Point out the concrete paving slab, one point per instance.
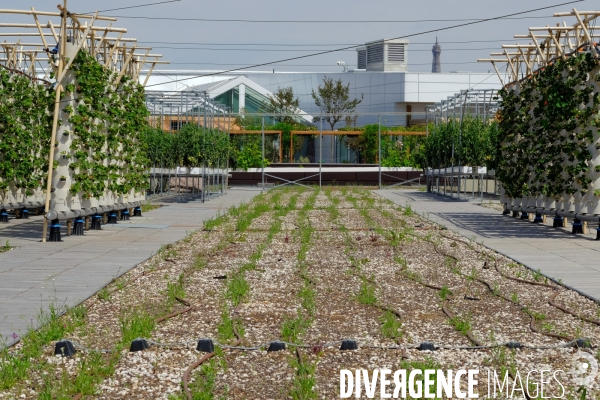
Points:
(36, 274)
(554, 251)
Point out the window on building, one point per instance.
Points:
(177, 125)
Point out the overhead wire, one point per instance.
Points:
(267, 21)
(315, 44)
(277, 50)
(399, 37)
(126, 8)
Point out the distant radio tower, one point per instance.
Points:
(436, 65)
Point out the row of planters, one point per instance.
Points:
(470, 142)
(549, 153)
(99, 155)
(193, 146)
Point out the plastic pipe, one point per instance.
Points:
(570, 215)
(65, 215)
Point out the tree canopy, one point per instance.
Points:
(333, 98)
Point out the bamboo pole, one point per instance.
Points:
(52, 14)
(58, 89)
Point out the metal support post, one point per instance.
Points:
(262, 161)
(320, 150)
(379, 146)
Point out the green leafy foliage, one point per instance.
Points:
(109, 121)
(544, 130)
(25, 126)
(472, 142)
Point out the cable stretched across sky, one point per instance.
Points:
(316, 44)
(399, 37)
(289, 21)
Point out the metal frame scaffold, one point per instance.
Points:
(480, 103)
(169, 111)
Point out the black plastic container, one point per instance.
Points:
(139, 345)
(96, 224)
(206, 346)
(426, 346)
(137, 212)
(276, 346)
(112, 218)
(349, 344)
(558, 222)
(78, 227)
(577, 227)
(125, 215)
(64, 348)
(54, 235)
(3, 216)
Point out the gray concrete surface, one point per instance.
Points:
(554, 251)
(36, 274)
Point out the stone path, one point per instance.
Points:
(575, 260)
(37, 274)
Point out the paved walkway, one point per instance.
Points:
(555, 252)
(36, 274)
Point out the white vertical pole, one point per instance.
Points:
(262, 161)
(320, 150)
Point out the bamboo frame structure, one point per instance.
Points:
(80, 31)
(546, 45)
(113, 52)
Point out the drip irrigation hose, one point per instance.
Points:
(532, 323)
(536, 330)
(450, 315)
(196, 364)
(174, 314)
(553, 287)
(552, 303)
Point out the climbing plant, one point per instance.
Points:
(25, 125)
(548, 130)
(109, 121)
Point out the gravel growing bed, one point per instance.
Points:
(374, 272)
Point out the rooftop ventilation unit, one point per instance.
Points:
(384, 55)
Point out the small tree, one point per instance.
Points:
(283, 102)
(333, 98)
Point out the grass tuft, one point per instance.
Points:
(391, 327)
(366, 294)
(135, 324)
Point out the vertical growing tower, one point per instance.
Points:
(436, 65)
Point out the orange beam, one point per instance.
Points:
(356, 133)
(245, 132)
